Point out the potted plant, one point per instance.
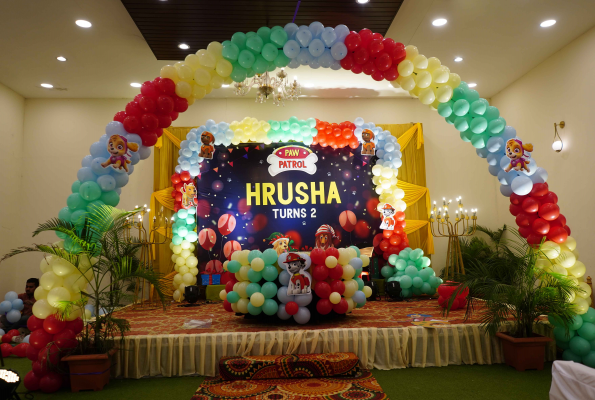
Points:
(108, 262)
(508, 291)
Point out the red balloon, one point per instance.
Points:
(398, 53)
(292, 308)
(322, 290)
(148, 104)
(530, 205)
(227, 306)
(149, 138)
(149, 122)
(133, 109)
(347, 220)
(534, 238)
(174, 115)
(550, 197)
(324, 306)
(53, 325)
(66, 340)
(165, 104)
(516, 199)
(539, 189)
(361, 56)
(20, 350)
(39, 369)
(387, 233)
(50, 383)
(6, 338)
(369, 68)
(378, 76)
(175, 179)
(549, 211)
(525, 231)
(131, 124)
(540, 226)
(167, 87)
(353, 41)
(336, 273)
(164, 120)
(400, 216)
(31, 381)
(149, 89)
(120, 115)
(40, 338)
(376, 47)
(395, 240)
(337, 286)
(185, 176)
(557, 234)
(180, 104)
(34, 323)
(391, 74)
(49, 354)
(347, 62)
(32, 353)
(568, 231)
(384, 245)
(331, 251)
(6, 349)
(523, 219)
(366, 36)
(356, 69)
(207, 238)
(320, 272)
(383, 62)
(75, 325)
(318, 256)
(515, 210)
(226, 224)
(341, 307)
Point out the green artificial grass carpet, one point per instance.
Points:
(462, 382)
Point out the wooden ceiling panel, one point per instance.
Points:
(166, 24)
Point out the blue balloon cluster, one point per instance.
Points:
(98, 185)
(189, 159)
(482, 126)
(388, 150)
(11, 307)
(293, 129)
(302, 300)
(315, 45)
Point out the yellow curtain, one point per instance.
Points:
(412, 179)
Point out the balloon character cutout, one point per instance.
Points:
(324, 237)
(388, 219)
(300, 281)
(518, 154)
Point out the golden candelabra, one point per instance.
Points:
(146, 239)
(442, 225)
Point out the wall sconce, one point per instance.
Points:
(558, 145)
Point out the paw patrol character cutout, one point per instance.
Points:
(368, 148)
(324, 237)
(207, 149)
(388, 219)
(281, 243)
(189, 195)
(518, 154)
(300, 280)
(119, 150)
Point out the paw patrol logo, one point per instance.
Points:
(292, 158)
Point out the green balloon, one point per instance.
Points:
(177, 240)
(568, 355)
(270, 307)
(250, 34)
(461, 107)
(417, 282)
(405, 292)
(230, 51)
(269, 290)
(427, 289)
(64, 214)
(250, 73)
(587, 331)
(451, 119)
(406, 282)
(392, 259)
(411, 271)
(386, 271)
(264, 33)
(445, 109)
(234, 266)
(281, 61)
(254, 276)
(458, 93)
(416, 291)
(78, 217)
(246, 59)
(254, 254)
(434, 281)
(254, 43)
(480, 141)
(576, 322)
(90, 191)
(254, 310)
(360, 305)
(271, 67)
(589, 359)
(400, 273)
(278, 37)
(76, 202)
(270, 273)
(555, 320)
(478, 107)
(71, 247)
(239, 39)
(269, 256)
(425, 274)
(471, 95)
(478, 124)
(497, 125)
(233, 297)
(562, 345)
(360, 283)
(401, 264)
(589, 316)
(467, 135)
(491, 113)
(462, 123)
(92, 206)
(111, 198)
(260, 65)
(252, 288)
(238, 74)
(75, 186)
(270, 52)
(579, 346)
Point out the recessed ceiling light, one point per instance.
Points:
(135, 84)
(548, 23)
(458, 59)
(83, 24)
(362, 1)
(224, 85)
(60, 58)
(472, 84)
(183, 46)
(439, 22)
(47, 85)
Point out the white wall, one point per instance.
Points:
(560, 88)
(12, 109)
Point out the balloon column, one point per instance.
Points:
(413, 272)
(577, 342)
(182, 247)
(11, 307)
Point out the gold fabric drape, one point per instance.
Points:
(412, 179)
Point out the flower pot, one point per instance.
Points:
(524, 353)
(89, 372)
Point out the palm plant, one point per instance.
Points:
(109, 269)
(506, 286)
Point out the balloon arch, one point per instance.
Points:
(132, 133)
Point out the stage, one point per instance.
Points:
(384, 335)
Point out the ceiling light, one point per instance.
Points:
(60, 58)
(47, 85)
(458, 59)
(224, 85)
(439, 22)
(472, 84)
(135, 84)
(362, 1)
(83, 24)
(183, 46)
(548, 23)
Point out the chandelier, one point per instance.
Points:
(278, 88)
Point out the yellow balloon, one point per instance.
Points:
(191, 99)
(257, 264)
(566, 259)
(62, 267)
(330, 262)
(558, 269)
(441, 74)
(56, 295)
(348, 272)
(350, 304)
(192, 61)
(50, 280)
(185, 253)
(343, 256)
(183, 270)
(420, 62)
(550, 249)
(578, 269)
(242, 289)
(570, 243)
(177, 249)
(350, 288)
(183, 89)
(215, 48)
(187, 278)
(335, 298)
(206, 59)
(257, 299)
(408, 83)
(198, 91)
(367, 291)
(243, 305)
(580, 305)
(44, 265)
(186, 73)
(427, 96)
(223, 294)
(444, 93)
(423, 79)
(586, 293)
(169, 71)
(365, 260)
(177, 295)
(42, 310)
(202, 77)
(454, 80)
(216, 82)
(244, 257)
(40, 293)
(433, 63)
(244, 272)
(405, 68)
(411, 52)
(224, 68)
(177, 278)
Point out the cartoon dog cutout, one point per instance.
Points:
(207, 149)
(324, 237)
(518, 154)
(368, 148)
(189, 198)
(281, 243)
(299, 282)
(388, 220)
(119, 150)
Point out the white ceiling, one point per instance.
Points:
(500, 40)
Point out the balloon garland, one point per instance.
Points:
(136, 129)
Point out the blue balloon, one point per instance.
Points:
(291, 49)
(282, 295)
(26, 339)
(86, 162)
(326, 59)
(495, 144)
(115, 128)
(494, 158)
(281, 313)
(134, 158)
(316, 28)
(316, 47)
(86, 174)
(328, 36)
(17, 304)
(284, 278)
(11, 296)
(99, 169)
(339, 51)
(121, 179)
(540, 176)
(107, 183)
(494, 169)
(303, 37)
(5, 306)
(144, 152)
(13, 316)
(303, 299)
(304, 58)
(359, 297)
(99, 149)
(356, 263)
(522, 185)
(302, 316)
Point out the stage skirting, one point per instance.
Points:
(377, 347)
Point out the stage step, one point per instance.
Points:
(289, 366)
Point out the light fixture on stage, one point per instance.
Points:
(374, 288)
(278, 88)
(393, 290)
(9, 382)
(558, 145)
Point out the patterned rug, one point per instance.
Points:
(380, 314)
(361, 387)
